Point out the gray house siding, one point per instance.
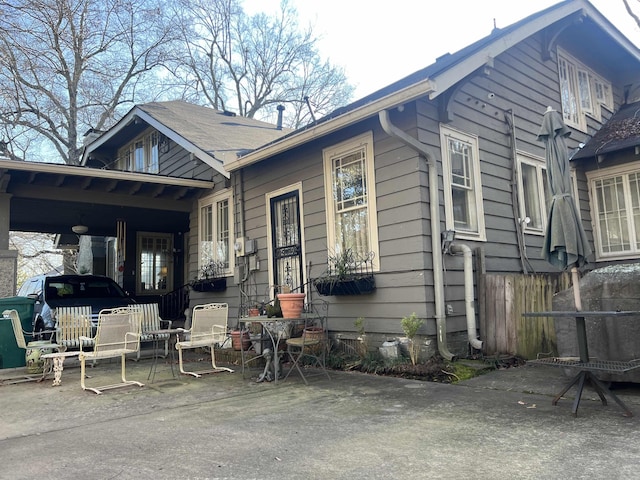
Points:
(176, 162)
(509, 95)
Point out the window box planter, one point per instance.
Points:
(210, 285)
(361, 285)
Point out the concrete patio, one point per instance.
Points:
(498, 425)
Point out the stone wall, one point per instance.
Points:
(8, 272)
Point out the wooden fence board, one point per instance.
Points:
(504, 300)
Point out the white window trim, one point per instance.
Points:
(213, 199)
(445, 133)
(341, 149)
(268, 196)
(541, 170)
(595, 104)
(601, 174)
(127, 154)
(170, 264)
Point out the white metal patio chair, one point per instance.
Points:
(22, 343)
(118, 335)
(208, 328)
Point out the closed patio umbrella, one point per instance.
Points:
(565, 243)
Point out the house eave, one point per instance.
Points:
(439, 82)
(217, 165)
(72, 170)
(417, 90)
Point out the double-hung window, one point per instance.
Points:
(582, 91)
(350, 192)
(615, 203)
(462, 186)
(215, 235)
(533, 193)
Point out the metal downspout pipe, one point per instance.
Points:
(436, 247)
(468, 293)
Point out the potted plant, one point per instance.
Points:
(211, 278)
(347, 274)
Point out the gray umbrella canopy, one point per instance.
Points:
(565, 243)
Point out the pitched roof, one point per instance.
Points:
(214, 136)
(436, 79)
(620, 132)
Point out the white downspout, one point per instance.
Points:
(468, 292)
(436, 252)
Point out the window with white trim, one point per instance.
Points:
(462, 187)
(615, 203)
(350, 193)
(215, 235)
(141, 155)
(582, 91)
(155, 263)
(533, 193)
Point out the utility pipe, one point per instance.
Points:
(434, 204)
(468, 292)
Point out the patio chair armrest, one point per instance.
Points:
(165, 323)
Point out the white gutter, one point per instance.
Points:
(434, 204)
(468, 292)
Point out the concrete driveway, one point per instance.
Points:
(354, 426)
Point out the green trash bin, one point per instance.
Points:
(11, 356)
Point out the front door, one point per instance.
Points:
(286, 241)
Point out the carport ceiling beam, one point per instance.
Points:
(116, 199)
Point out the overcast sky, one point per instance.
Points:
(379, 42)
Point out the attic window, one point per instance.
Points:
(582, 91)
(140, 155)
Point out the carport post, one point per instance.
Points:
(8, 258)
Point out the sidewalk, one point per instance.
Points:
(498, 425)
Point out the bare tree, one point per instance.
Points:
(631, 12)
(68, 65)
(251, 64)
(36, 254)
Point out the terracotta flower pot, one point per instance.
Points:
(291, 304)
(240, 340)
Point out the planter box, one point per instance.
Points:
(350, 286)
(210, 285)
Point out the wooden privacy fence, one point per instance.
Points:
(502, 301)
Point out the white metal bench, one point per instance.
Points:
(118, 335)
(73, 323)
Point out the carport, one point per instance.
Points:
(52, 198)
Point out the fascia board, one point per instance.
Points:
(59, 169)
(449, 77)
(417, 90)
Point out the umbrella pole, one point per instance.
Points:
(575, 279)
(581, 328)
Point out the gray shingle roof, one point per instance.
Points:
(220, 134)
(620, 132)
